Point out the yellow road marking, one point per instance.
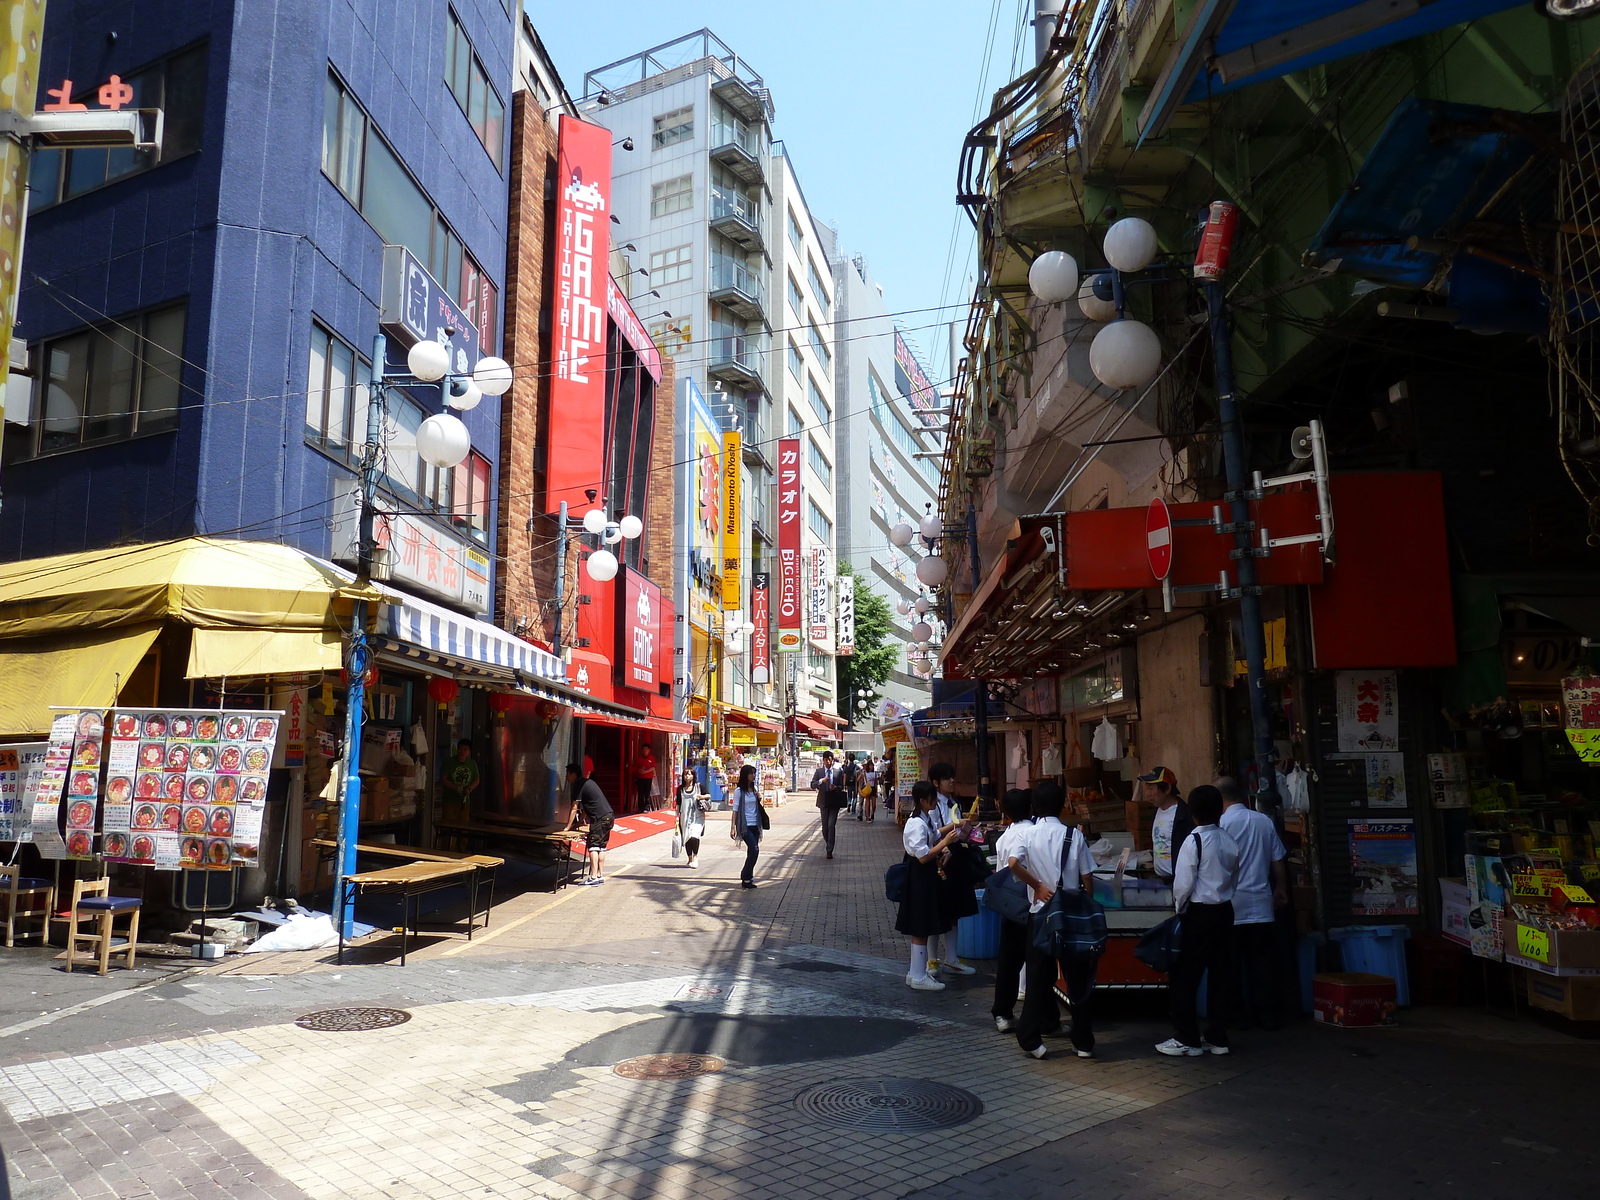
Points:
(568, 893)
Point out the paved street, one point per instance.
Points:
(198, 1084)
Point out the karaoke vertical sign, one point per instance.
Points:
(790, 611)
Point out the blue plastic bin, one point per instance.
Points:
(1378, 950)
(979, 936)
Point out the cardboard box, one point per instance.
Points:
(1575, 999)
(1455, 909)
(1562, 949)
(1353, 999)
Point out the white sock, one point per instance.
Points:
(936, 947)
(919, 961)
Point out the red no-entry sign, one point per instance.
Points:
(1158, 537)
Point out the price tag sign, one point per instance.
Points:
(1587, 744)
(1530, 886)
(1573, 894)
(1591, 874)
(1533, 943)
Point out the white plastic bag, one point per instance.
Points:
(677, 845)
(302, 931)
(1294, 789)
(1104, 747)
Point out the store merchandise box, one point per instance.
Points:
(1353, 999)
(1575, 999)
(1559, 949)
(1455, 909)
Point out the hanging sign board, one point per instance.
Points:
(732, 503)
(790, 616)
(761, 627)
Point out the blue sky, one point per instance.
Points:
(873, 98)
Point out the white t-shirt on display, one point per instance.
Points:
(1259, 847)
(1161, 840)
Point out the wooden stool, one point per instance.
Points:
(91, 897)
(16, 887)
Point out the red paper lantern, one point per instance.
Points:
(502, 702)
(442, 691)
(549, 709)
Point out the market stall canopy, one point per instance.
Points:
(1231, 44)
(85, 669)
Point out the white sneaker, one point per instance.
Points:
(694, 866)
(1176, 1049)
(1084, 1053)
(956, 967)
(926, 984)
(1038, 1051)
(1210, 1049)
(1004, 1024)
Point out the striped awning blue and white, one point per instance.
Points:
(432, 628)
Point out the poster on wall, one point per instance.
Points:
(1386, 781)
(45, 804)
(907, 770)
(1447, 781)
(761, 627)
(790, 616)
(1580, 702)
(1383, 860)
(1368, 711)
(19, 777)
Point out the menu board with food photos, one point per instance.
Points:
(195, 779)
(52, 781)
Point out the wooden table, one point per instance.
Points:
(485, 864)
(564, 838)
(408, 882)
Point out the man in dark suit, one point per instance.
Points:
(829, 784)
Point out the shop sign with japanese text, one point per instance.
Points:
(1367, 706)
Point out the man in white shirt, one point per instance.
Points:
(1053, 856)
(1017, 809)
(1205, 872)
(1172, 822)
(1263, 887)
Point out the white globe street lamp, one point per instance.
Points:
(631, 526)
(428, 361)
(1130, 244)
(1053, 277)
(921, 632)
(923, 604)
(469, 396)
(1125, 354)
(930, 526)
(493, 376)
(594, 521)
(931, 571)
(902, 534)
(602, 566)
(1091, 305)
(903, 608)
(442, 440)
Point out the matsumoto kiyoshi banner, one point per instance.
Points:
(790, 614)
(847, 616)
(576, 457)
(732, 517)
(760, 628)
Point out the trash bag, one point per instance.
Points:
(302, 931)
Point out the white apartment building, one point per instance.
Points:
(883, 391)
(712, 224)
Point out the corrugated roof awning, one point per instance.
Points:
(83, 668)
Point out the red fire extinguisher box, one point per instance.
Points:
(1353, 999)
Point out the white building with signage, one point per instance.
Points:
(886, 441)
(712, 225)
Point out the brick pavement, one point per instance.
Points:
(501, 1086)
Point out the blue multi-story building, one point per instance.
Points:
(200, 319)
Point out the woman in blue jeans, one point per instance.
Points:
(749, 819)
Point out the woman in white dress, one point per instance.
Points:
(691, 817)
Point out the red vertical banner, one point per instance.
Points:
(574, 453)
(789, 563)
(761, 627)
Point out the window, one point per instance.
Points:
(110, 383)
(797, 300)
(819, 463)
(469, 511)
(818, 289)
(795, 236)
(819, 403)
(361, 164)
(673, 127)
(910, 445)
(469, 83)
(817, 521)
(797, 362)
(672, 337)
(817, 661)
(336, 387)
(820, 346)
(796, 423)
(671, 266)
(671, 195)
(177, 85)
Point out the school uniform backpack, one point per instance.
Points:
(1072, 925)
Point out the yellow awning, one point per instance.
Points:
(205, 582)
(237, 653)
(83, 668)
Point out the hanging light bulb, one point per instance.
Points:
(612, 535)
(1130, 244)
(923, 646)
(602, 566)
(469, 396)
(442, 440)
(493, 376)
(903, 608)
(930, 526)
(1125, 354)
(1090, 302)
(921, 631)
(631, 526)
(923, 604)
(594, 521)
(1053, 277)
(931, 571)
(428, 361)
(902, 534)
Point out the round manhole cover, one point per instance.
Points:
(904, 1105)
(668, 1066)
(353, 1020)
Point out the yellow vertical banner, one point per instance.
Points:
(732, 522)
(19, 84)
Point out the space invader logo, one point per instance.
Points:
(585, 195)
(643, 608)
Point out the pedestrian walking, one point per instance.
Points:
(962, 875)
(644, 779)
(1262, 889)
(1054, 857)
(852, 771)
(828, 783)
(1172, 820)
(1016, 811)
(1203, 880)
(590, 803)
(691, 817)
(869, 791)
(749, 819)
(922, 913)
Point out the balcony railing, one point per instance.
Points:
(736, 216)
(738, 356)
(737, 287)
(740, 148)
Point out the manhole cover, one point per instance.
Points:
(352, 1020)
(906, 1105)
(668, 1066)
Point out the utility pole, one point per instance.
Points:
(980, 687)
